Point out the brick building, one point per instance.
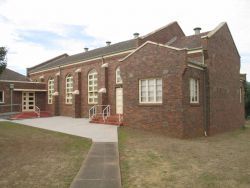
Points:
(184, 86)
(18, 93)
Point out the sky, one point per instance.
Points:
(37, 30)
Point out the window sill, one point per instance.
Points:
(195, 104)
(149, 104)
(118, 85)
(68, 104)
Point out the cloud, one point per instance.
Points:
(38, 30)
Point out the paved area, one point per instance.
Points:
(75, 126)
(100, 169)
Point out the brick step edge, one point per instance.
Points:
(106, 123)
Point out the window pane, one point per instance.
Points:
(143, 99)
(151, 82)
(151, 90)
(1, 96)
(143, 83)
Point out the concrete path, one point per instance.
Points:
(100, 169)
(75, 126)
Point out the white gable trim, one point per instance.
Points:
(154, 43)
(28, 82)
(195, 66)
(211, 33)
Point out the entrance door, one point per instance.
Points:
(119, 101)
(28, 101)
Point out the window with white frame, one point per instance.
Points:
(194, 90)
(69, 89)
(118, 76)
(150, 90)
(92, 87)
(50, 90)
(1, 96)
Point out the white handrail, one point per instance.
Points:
(92, 112)
(106, 112)
(37, 111)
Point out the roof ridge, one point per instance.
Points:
(159, 29)
(50, 60)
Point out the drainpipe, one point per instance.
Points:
(11, 97)
(205, 102)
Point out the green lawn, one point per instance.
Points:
(32, 157)
(156, 161)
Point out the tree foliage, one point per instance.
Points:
(247, 98)
(3, 59)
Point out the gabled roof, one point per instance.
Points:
(8, 74)
(192, 41)
(98, 52)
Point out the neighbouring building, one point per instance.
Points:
(18, 93)
(185, 86)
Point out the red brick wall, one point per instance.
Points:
(153, 61)
(223, 63)
(193, 116)
(17, 95)
(109, 83)
(165, 34)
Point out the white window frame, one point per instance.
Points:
(69, 89)
(118, 77)
(147, 91)
(51, 90)
(194, 90)
(93, 88)
(1, 102)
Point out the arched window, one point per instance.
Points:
(50, 90)
(69, 89)
(118, 76)
(92, 87)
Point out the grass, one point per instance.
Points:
(153, 160)
(32, 157)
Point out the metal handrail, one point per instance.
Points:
(107, 114)
(37, 111)
(104, 113)
(92, 112)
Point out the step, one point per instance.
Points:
(107, 123)
(28, 115)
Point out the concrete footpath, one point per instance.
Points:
(101, 167)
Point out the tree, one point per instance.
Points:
(247, 98)
(3, 59)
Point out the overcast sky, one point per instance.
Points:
(37, 30)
